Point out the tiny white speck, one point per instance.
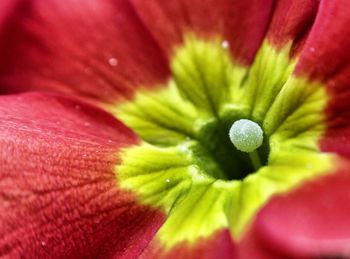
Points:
(43, 243)
(84, 155)
(86, 123)
(225, 44)
(167, 180)
(312, 49)
(113, 62)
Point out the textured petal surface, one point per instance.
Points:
(59, 195)
(96, 48)
(311, 221)
(219, 245)
(242, 24)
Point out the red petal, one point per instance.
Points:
(6, 8)
(96, 48)
(326, 51)
(58, 189)
(219, 245)
(326, 57)
(251, 247)
(312, 221)
(292, 20)
(242, 22)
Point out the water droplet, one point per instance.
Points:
(84, 155)
(167, 180)
(43, 243)
(312, 49)
(113, 62)
(225, 44)
(86, 124)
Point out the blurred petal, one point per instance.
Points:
(99, 49)
(6, 8)
(251, 247)
(291, 21)
(59, 194)
(312, 221)
(326, 54)
(242, 24)
(219, 245)
(325, 57)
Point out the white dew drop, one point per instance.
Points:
(167, 180)
(246, 135)
(113, 62)
(225, 44)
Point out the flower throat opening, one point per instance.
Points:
(231, 151)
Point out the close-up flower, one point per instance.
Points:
(174, 129)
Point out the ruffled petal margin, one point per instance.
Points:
(59, 194)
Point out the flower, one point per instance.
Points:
(130, 157)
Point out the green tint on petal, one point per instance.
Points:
(297, 108)
(159, 176)
(201, 213)
(267, 76)
(161, 117)
(205, 74)
(188, 166)
(283, 174)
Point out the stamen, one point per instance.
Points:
(246, 135)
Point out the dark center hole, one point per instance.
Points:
(217, 156)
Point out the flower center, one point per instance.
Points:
(203, 177)
(231, 156)
(246, 135)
